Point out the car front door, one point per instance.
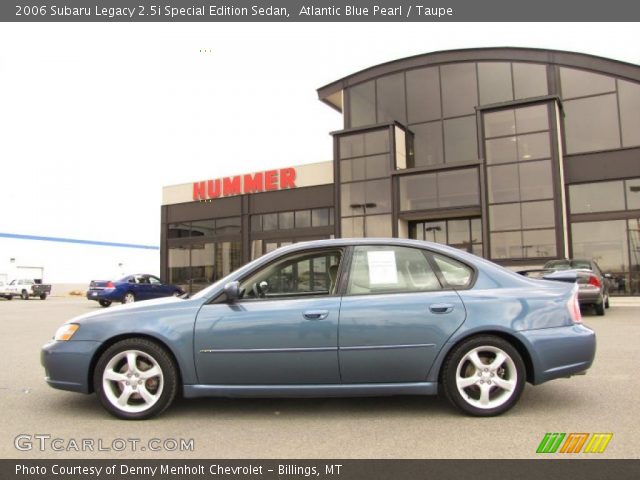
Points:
(283, 331)
(395, 315)
(158, 289)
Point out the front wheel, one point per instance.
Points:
(135, 379)
(24, 295)
(43, 296)
(484, 376)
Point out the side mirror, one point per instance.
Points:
(232, 291)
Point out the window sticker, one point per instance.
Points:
(382, 267)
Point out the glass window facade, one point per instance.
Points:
(453, 188)
(611, 196)
(365, 186)
(520, 182)
(462, 233)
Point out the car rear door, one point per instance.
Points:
(284, 331)
(395, 315)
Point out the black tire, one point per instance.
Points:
(606, 301)
(169, 381)
(599, 307)
(9, 297)
(43, 296)
(515, 373)
(125, 298)
(104, 303)
(24, 295)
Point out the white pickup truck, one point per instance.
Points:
(26, 288)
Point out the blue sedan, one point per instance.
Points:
(130, 289)
(343, 317)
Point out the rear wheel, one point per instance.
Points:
(104, 303)
(129, 297)
(43, 296)
(483, 376)
(135, 379)
(24, 295)
(599, 308)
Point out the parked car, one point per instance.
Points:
(343, 317)
(3, 291)
(26, 288)
(593, 285)
(129, 289)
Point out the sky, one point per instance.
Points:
(96, 118)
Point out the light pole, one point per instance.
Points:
(364, 207)
(435, 229)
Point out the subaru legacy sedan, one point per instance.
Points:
(347, 317)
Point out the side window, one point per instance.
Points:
(154, 280)
(387, 269)
(300, 274)
(455, 273)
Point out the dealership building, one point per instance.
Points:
(516, 155)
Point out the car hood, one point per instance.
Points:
(131, 309)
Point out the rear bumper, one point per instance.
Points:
(98, 295)
(560, 352)
(588, 296)
(67, 364)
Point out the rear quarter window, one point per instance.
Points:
(455, 273)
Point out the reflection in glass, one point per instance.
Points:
(495, 83)
(418, 192)
(538, 214)
(458, 188)
(459, 89)
(538, 243)
(501, 150)
(591, 124)
(460, 140)
(391, 99)
(285, 220)
(503, 183)
(605, 242)
(505, 216)
(499, 123)
(536, 180)
(269, 221)
(362, 104)
(532, 119)
(534, 146)
(597, 197)
(423, 95)
(506, 245)
(427, 144)
(303, 218)
(529, 80)
(629, 98)
(580, 83)
(632, 187)
(203, 228)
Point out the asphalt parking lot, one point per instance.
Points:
(604, 400)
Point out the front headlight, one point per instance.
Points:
(66, 331)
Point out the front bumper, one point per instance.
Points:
(560, 352)
(67, 364)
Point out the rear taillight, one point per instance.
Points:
(595, 281)
(110, 285)
(574, 308)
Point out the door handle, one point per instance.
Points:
(315, 314)
(441, 308)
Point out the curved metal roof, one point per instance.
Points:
(517, 54)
